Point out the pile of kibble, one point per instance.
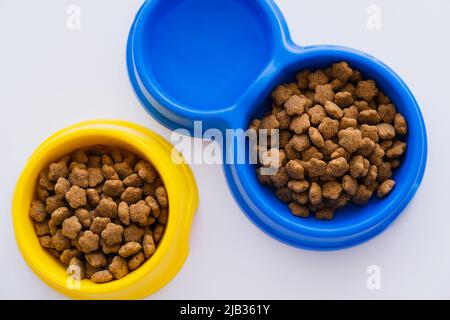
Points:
(340, 138)
(100, 209)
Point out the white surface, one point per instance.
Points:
(51, 77)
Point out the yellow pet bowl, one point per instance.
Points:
(171, 252)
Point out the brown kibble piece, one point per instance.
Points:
(129, 249)
(93, 197)
(317, 78)
(124, 213)
(331, 190)
(71, 227)
(113, 188)
(300, 124)
(37, 211)
(107, 160)
(377, 155)
(302, 79)
(107, 208)
(139, 213)
(133, 233)
(60, 242)
(132, 195)
(46, 241)
(362, 195)
(59, 215)
(295, 169)
(387, 112)
(94, 162)
(161, 196)
(146, 171)
(317, 114)
(102, 276)
(41, 228)
(95, 177)
(118, 267)
(341, 71)
(357, 166)
(369, 117)
(298, 186)
(343, 99)
(296, 105)
(83, 217)
(340, 152)
(366, 90)
(325, 214)
(386, 131)
(299, 210)
(108, 249)
(67, 255)
(400, 124)
(333, 110)
(397, 150)
(54, 202)
(366, 147)
(284, 194)
(89, 242)
(368, 131)
(123, 169)
(300, 142)
(148, 245)
(44, 181)
(79, 156)
(328, 127)
(385, 188)
(316, 137)
(350, 139)
(158, 232)
(315, 167)
(136, 261)
(42, 193)
(154, 205)
(337, 167)
(96, 259)
(281, 94)
(79, 177)
(62, 186)
(315, 194)
(109, 173)
(323, 93)
(90, 270)
(99, 224)
(58, 170)
(349, 184)
(133, 180)
(112, 234)
(76, 197)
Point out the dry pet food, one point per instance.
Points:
(101, 209)
(340, 138)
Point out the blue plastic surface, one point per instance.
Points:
(217, 61)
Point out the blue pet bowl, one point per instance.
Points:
(217, 61)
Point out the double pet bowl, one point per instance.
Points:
(216, 61)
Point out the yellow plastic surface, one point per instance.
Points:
(171, 252)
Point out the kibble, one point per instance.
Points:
(103, 210)
(340, 140)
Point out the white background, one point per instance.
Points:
(51, 77)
